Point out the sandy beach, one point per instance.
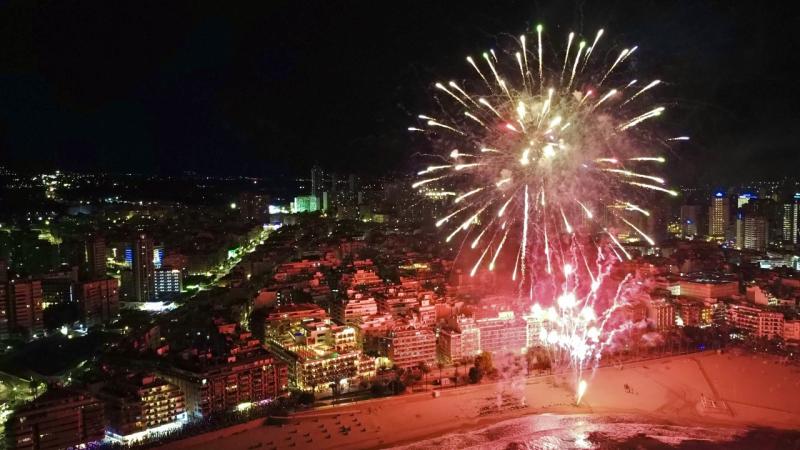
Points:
(747, 390)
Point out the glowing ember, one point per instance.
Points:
(582, 385)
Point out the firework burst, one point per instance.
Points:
(549, 166)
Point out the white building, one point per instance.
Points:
(168, 283)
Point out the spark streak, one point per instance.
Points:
(467, 194)
(580, 146)
(643, 90)
(441, 87)
(642, 233)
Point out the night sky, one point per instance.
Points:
(273, 87)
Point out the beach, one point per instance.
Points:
(716, 391)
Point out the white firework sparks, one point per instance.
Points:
(549, 171)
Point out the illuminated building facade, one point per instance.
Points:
(142, 403)
(96, 257)
(661, 314)
(718, 215)
(707, 288)
(756, 321)
(315, 369)
(426, 312)
(168, 283)
(461, 343)
(755, 233)
(352, 310)
(22, 303)
(690, 312)
(99, 300)
(58, 419)
(296, 311)
(408, 346)
(223, 386)
(143, 269)
(744, 199)
(503, 334)
(690, 215)
(305, 203)
(791, 217)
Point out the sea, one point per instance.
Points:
(556, 432)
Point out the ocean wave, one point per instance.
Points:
(553, 431)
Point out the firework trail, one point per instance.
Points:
(549, 165)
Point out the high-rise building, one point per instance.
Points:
(143, 269)
(58, 419)
(158, 256)
(752, 233)
(99, 300)
(5, 312)
(3, 271)
(96, 257)
(24, 305)
(718, 215)
(168, 283)
(690, 215)
(305, 203)
(334, 186)
(791, 217)
(253, 206)
(744, 199)
(739, 230)
(58, 287)
(128, 256)
(318, 179)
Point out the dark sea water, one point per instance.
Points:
(555, 432)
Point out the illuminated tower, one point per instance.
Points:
(718, 215)
(143, 269)
(96, 257)
(791, 214)
(689, 219)
(755, 231)
(317, 181)
(24, 303)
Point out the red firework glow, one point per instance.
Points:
(549, 168)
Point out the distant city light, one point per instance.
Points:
(244, 406)
(156, 306)
(277, 209)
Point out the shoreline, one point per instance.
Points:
(665, 391)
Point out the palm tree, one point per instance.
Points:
(425, 369)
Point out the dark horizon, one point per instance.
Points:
(266, 90)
